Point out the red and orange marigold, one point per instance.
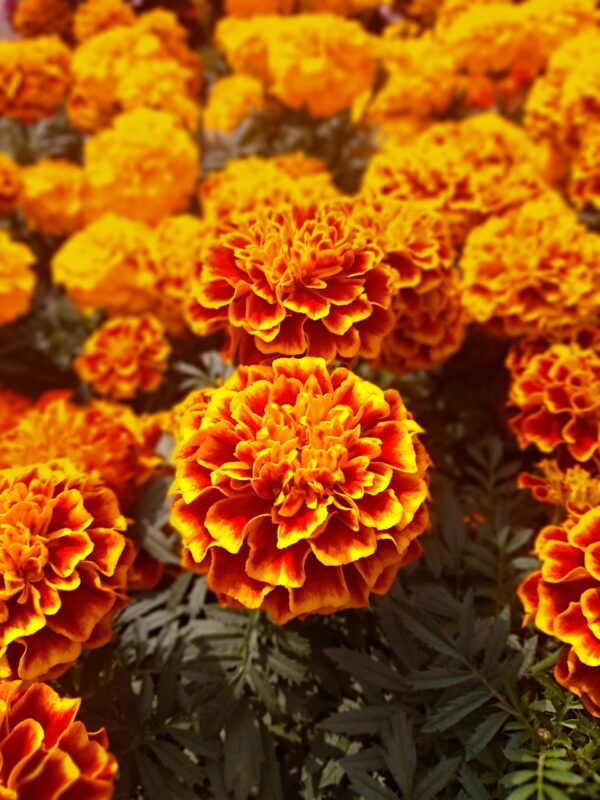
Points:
(299, 491)
(63, 567)
(558, 397)
(574, 488)
(577, 677)
(301, 281)
(45, 752)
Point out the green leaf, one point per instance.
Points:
(484, 733)
(456, 709)
(437, 778)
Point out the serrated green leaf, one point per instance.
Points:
(437, 779)
(484, 733)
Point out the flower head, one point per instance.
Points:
(17, 279)
(10, 184)
(572, 674)
(558, 397)
(299, 491)
(231, 100)
(12, 406)
(42, 18)
(124, 356)
(63, 567)
(95, 16)
(250, 8)
(573, 488)
(46, 752)
(34, 76)
(294, 282)
(55, 197)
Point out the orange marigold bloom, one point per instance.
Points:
(104, 440)
(560, 598)
(42, 18)
(95, 16)
(558, 397)
(574, 488)
(34, 76)
(64, 565)
(534, 271)
(467, 170)
(10, 184)
(299, 491)
(106, 266)
(296, 282)
(17, 279)
(250, 8)
(125, 355)
(55, 197)
(12, 406)
(231, 100)
(584, 186)
(46, 752)
(572, 674)
(144, 167)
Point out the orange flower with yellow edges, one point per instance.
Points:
(63, 568)
(561, 597)
(12, 406)
(10, 184)
(299, 491)
(294, 282)
(95, 16)
(572, 674)
(46, 751)
(42, 18)
(124, 356)
(34, 77)
(558, 397)
(17, 279)
(534, 271)
(573, 488)
(104, 440)
(55, 197)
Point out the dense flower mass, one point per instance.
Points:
(299, 491)
(294, 282)
(46, 752)
(42, 17)
(231, 100)
(63, 562)
(532, 271)
(12, 406)
(17, 279)
(34, 76)
(561, 597)
(55, 197)
(124, 356)
(95, 16)
(10, 184)
(558, 397)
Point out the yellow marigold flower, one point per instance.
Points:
(17, 279)
(584, 186)
(106, 266)
(42, 18)
(246, 184)
(125, 355)
(12, 405)
(573, 488)
(301, 281)
(34, 77)
(104, 440)
(299, 491)
(558, 401)
(144, 167)
(10, 184)
(95, 16)
(231, 100)
(317, 61)
(55, 197)
(533, 271)
(165, 26)
(57, 755)
(63, 561)
(250, 8)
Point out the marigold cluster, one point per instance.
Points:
(42, 18)
(96, 16)
(55, 199)
(125, 355)
(299, 491)
(17, 279)
(46, 751)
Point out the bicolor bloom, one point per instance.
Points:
(572, 674)
(299, 491)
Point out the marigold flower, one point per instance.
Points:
(12, 406)
(10, 184)
(318, 61)
(125, 355)
(250, 8)
(46, 752)
(17, 279)
(144, 167)
(106, 266)
(299, 491)
(572, 674)
(34, 77)
(573, 488)
(345, 7)
(42, 18)
(55, 197)
(584, 186)
(532, 271)
(467, 170)
(560, 597)
(297, 282)
(64, 565)
(558, 397)
(231, 100)
(104, 440)
(247, 184)
(95, 16)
